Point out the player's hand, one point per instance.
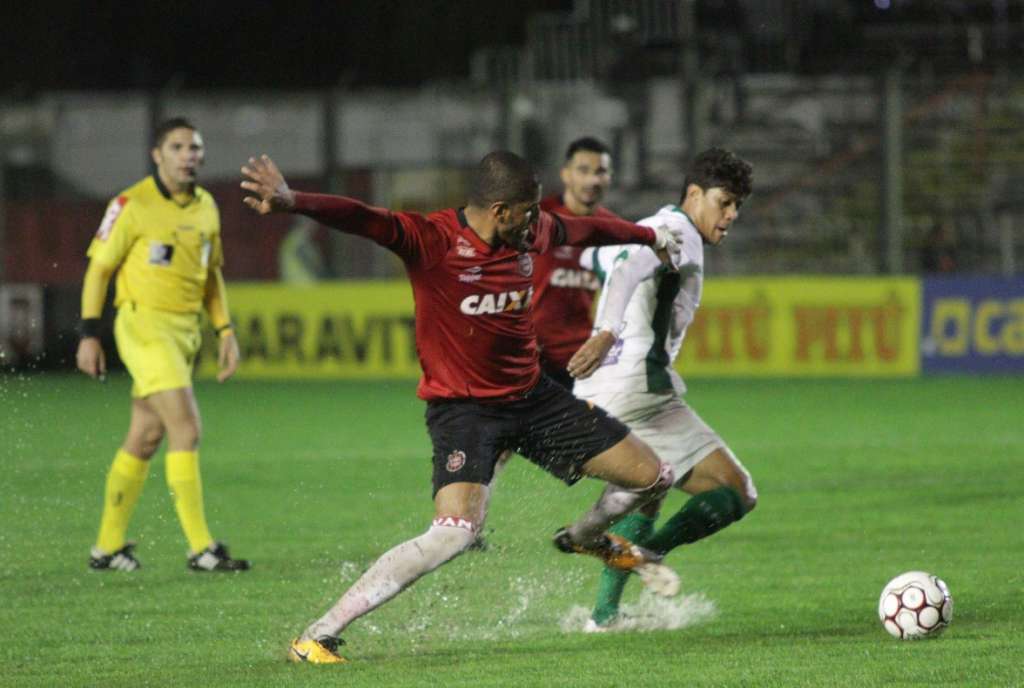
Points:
(270, 191)
(227, 356)
(590, 356)
(668, 244)
(91, 359)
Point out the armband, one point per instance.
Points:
(90, 327)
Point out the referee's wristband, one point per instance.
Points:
(223, 329)
(89, 327)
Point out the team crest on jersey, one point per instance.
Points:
(464, 249)
(525, 264)
(110, 217)
(456, 460)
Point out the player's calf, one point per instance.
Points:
(614, 503)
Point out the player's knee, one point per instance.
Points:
(150, 440)
(743, 497)
(743, 486)
(446, 538)
(748, 495)
(657, 489)
(185, 434)
(144, 440)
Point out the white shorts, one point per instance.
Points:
(672, 429)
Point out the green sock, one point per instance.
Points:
(704, 514)
(635, 527)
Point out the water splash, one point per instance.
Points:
(649, 613)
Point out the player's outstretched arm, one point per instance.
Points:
(270, 192)
(604, 231)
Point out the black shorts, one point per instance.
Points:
(560, 375)
(549, 426)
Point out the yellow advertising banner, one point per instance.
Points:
(758, 326)
(330, 330)
(805, 326)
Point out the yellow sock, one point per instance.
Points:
(187, 491)
(125, 479)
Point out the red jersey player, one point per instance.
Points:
(470, 271)
(563, 292)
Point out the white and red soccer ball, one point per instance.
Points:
(915, 604)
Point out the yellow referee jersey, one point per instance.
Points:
(164, 250)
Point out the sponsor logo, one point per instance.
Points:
(506, 301)
(456, 460)
(464, 249)
(471, 274)
(160, 254)
(110, 217)
(525, 264)
(454, 522)
(575, 279)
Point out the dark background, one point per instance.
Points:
(365, 43)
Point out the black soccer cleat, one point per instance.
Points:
(216, 558)
(121, 560)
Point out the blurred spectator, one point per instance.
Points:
(299, 259)
(938, 253)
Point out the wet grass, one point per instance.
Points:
(859, 481)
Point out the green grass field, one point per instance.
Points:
(859, 481)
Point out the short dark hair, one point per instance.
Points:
(586, 143)
(502, 176)
(169, 125)
(721, 168)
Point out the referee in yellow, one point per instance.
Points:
(162, 238)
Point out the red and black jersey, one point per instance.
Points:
(474, 332)
(563, 294)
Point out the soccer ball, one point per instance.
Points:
(915, 604)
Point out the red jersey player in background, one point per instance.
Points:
(470, 272)
(563, 292)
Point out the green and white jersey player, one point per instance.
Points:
(626, 367)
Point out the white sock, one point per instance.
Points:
(395, 570)
(613, 504)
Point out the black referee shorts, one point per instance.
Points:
(549, 426)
